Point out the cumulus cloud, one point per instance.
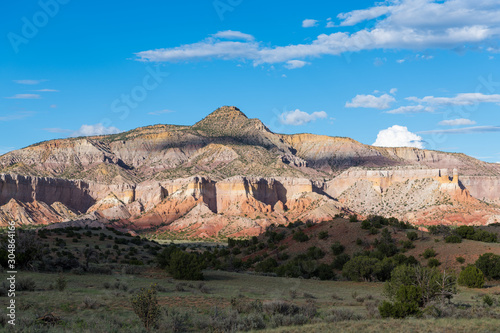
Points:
(230, 34)
(411, 25)
(298, 117)
(309, 23)
(24, 96)
(291, 64)
(393, 91)
(370, 101)
(97, 129)
(457, 122)
(398, 136)
(29, 82)
(411, 109)
(465, 130)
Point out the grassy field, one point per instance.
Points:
(101, 303)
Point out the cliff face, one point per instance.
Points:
(228, 170)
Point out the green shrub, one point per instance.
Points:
(61, 282)
(489, 264)
(266, 266)
(323, 235)
(429, 253)
(340, 261)
(300, 236)
(360, 268)
(488, 300)
(315, 253)
(185, 266)
(412, 235)
(337, 248)
(471, 277)
(453, 239)
(433, 262)
(146, 307)
(353, 218)
(460, 260)
(366, 225)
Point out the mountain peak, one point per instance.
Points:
(227, 113)
(223, 117)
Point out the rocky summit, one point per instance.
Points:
(228, 175)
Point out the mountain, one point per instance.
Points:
(230, 175)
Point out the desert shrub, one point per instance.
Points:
(266, 266)
(429, 253)
(337, 315)
(460, 260)
(353, 218)
(359, 241)
(174, 320)
(90, 303)
(471, 277)
(469, 232)
(337, 248)
(26, 284)
(340, 261)
(412, 287)
(373, 231)
(323, 235)
(453, 239)
(360, 268)
(433, 262)
(315, 253)
(412, 235)
(101, 270)
(407, 244)
(488, 300)
(61, 282)
(146, 307)
(300, 236)
(366, 225)
(324, 272)
(432, 283)
(489, 264)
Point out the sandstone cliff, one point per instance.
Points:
(230, 175)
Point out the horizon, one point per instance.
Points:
(382, 74)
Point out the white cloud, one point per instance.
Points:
(457, 122)
(298, 117)
(411, 109)
(292, 64)
(47, 90)
(400, 61)
(57, 130)
(97, 129)
(356, 16)
(160, 112)
(370, 101)
(466, 130)
(309, 23)
(393, 91)
(460, 99)
(230, 34)
(411, 25)
(29, 82)
(24, 96)
(398, 136)
(17, 116)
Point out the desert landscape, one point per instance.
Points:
(233, 166)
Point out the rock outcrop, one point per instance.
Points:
(230, 175)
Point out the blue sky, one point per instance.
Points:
(395, 73)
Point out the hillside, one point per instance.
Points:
(228, 175)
